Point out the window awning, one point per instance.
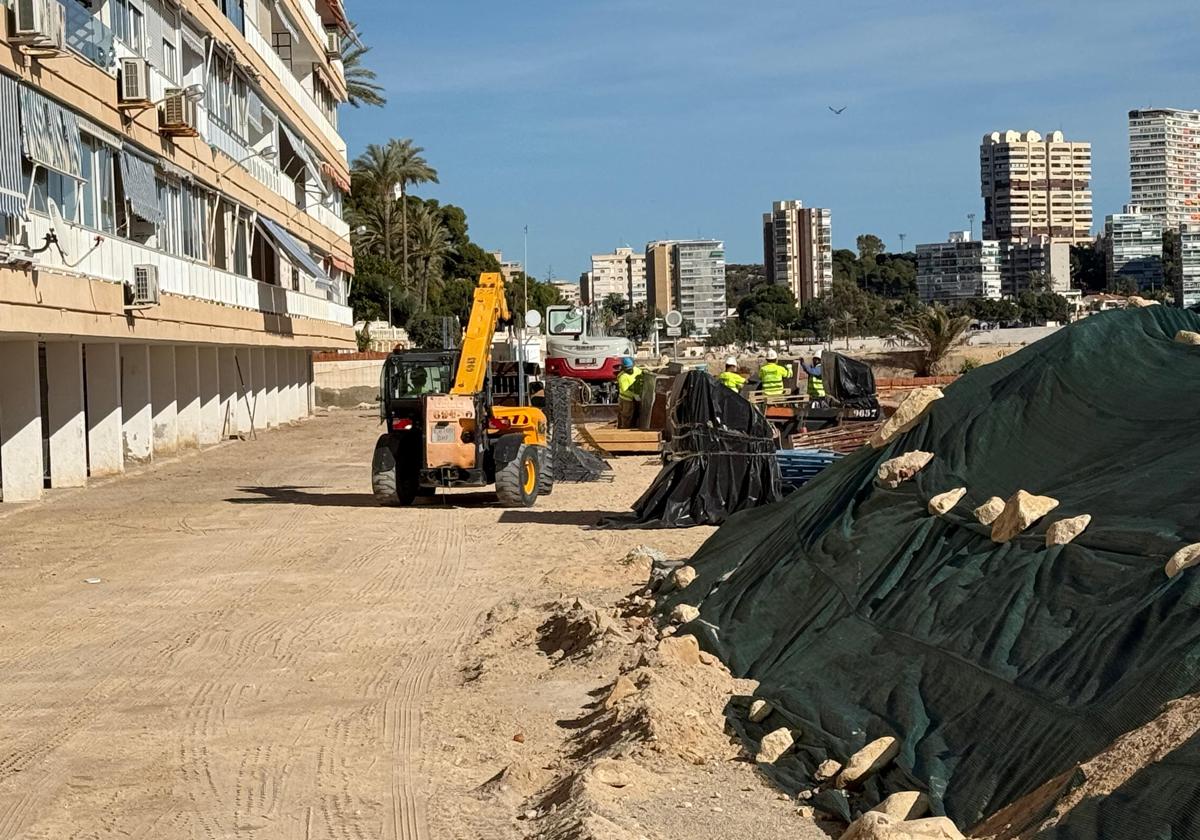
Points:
(341, 263)
(12, 199)
(50, 134)
(137, 176)
(310, 162)
(331, 172)
(290, 246)
(100, 133)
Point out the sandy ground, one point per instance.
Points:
(268, 654)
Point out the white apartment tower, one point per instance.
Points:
(623, 272)
(171, 236)
(1135, 247)
(798, 250)
(1188, 292)
(1164, 164)
(1035, 186)
(958, 268)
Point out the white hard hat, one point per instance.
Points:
(731, 362)
(772, 355)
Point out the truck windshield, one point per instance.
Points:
(413, 378)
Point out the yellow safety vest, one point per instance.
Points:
(732, 380)
(626, 379)
(771, 376)
(816, 386)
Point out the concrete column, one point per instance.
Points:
(243, 390)
(291, 379)
(212, 415)
(272, 408)
(103, 372)
(21, 469)
(258, 358)
(163, 398)
(137, 419)
(306, 376)
(228, 383)
(187, 394)
(64, 409)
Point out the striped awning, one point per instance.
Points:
(306, 155)
(50, 134)
(12, 198)
(137, 176)
(295, 251)
(99, 132)
(332, 173)
(341, 263)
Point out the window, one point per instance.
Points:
(170, 61)
(233, 10)
(169, 231)
(194, 222)
(50, 187)
(281, 42)
(227, 96)
(137, 30)
(98, 201)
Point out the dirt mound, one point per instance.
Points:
(575, 627)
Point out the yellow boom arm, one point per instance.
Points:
(487, 310)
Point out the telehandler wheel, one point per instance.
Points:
(389, 486)
(546, 476)
(517, 482)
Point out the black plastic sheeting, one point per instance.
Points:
(998, 667)
(569, 462)
(720, 460)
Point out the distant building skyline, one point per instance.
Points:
(1164, 164)
(958, 269)
(1188, 293)
(623, 272)
(1035, 186)
(1135, 247)
(798, 249)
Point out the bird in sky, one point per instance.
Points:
(838, 110)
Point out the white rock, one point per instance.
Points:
(987, 512)
(826, 770)
(876, 826)
(683, 613)
(1184, 558)
(759, 709)
(680, 650)
(905, 805)
(1065, 530)
(773, 745)
(866, 761)
(1135, 300)
(1187, 337)
(893, 472)
(683, 576)
(942, 503)
(1020, 511)
(908, 414)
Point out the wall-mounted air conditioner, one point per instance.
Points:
(133, 83)
(333, 42)
(145, 285)
(39, 23)
(178, 116)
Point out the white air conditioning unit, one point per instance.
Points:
(178, 117)
(145, 285)
(133, 85)
(333, 42)
(40, 23)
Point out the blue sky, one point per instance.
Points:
(601, 124)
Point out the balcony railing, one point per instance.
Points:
(114, 259)
(88, 36)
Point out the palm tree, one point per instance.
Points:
(411, 168)
(376, 173)
(361, 88)
(431, 244)
(937, 331)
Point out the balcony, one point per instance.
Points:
(88, 36)
(113, 260)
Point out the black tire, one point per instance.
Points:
(546, 475)
(389, 486)
(517, 481)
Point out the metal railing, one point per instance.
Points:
(88, 36)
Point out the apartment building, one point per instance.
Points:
(1164, 164)
(958, 269)
(171, 240)
(1034, 186)
(660, 268)
(509, 269)
(569, 292)
(1135, 247)
(798, 249)
(698, 282)
(623, 272)
(1040, 260)
(1188, 291)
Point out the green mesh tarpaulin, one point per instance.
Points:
(997, 666)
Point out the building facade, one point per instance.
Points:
(1135, 248)
(569, 292)
(1188, 291)
(623, 272)
(698, 282)
(660, 268)
(171, 240)
(509, 269)
(958, 269)
(1040, 260)
(798, 249)
(1164, 164)
(1034, 186)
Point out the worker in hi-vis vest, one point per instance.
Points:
(772, 374)
(816, 385)
(730, 378)
(628, 392)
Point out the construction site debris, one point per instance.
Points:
(574, 627)
(773, 745)
(987, 512)
(907, 415)
(759, 709)
(943, 503)
(894, 472)
(826, 770)
(1140, 302)
(868, 760)
(1020, 511)
(683, 576)
(1187, 337)
(622, 688)
(643, 555)
(1063, 531)
(904, 805)
(1184, 558)
(680, 650)
(876, 826)
(683, 613)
